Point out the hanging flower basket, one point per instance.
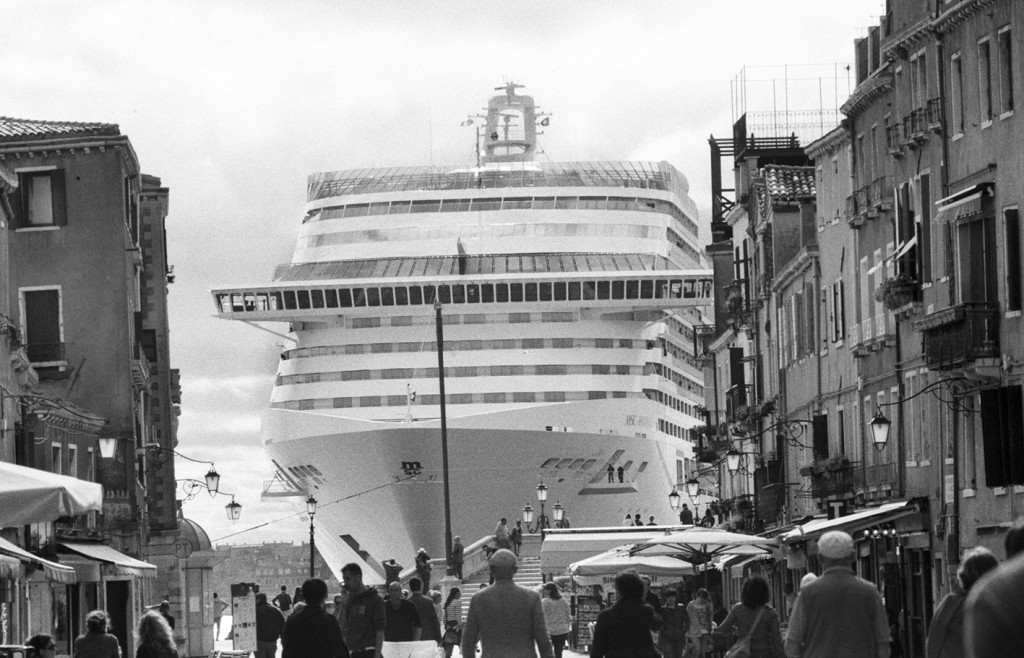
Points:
(897, 291)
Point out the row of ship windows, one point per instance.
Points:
(503, 203)
(432, 399)
(493, 371)
(451, 398)
(461, 371)
(472, 318)
(472, 293)
(471, 345)
(536, 230)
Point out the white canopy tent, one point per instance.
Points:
(564, 547)
(701, 544)
(601, 569)
(29, 495)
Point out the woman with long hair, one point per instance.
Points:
(557, 616)
(96, 642)
(452, 620)
(946, 634)
(153, 637)
(755, 621)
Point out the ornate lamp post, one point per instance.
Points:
(559, 513)
(527, 514)
(673, 500)
(311, 510)
(880, 430)
(542, 495)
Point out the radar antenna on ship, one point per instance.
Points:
(510, 133)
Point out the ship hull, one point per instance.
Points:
(380, 485)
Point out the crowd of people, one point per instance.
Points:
(153, 635)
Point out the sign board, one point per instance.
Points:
(587, 609)
(243, 617)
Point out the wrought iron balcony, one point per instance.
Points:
(933, 113)
(915, 127)
(894, 139)
(882, 193)
(955, 337)
(853, 218)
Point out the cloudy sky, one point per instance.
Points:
(233, 103)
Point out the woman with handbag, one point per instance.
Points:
(755, 622)
(557, 615)
(452, 622)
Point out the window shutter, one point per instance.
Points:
(60, 202)
(819, 428)
(992, 439)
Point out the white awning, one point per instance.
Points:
(963, 204)
(30, 495)
(851, 523)
(114, 562)
(58, 573)
(560, 550)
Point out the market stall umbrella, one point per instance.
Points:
(701, 544)
(592, 570)
(29, 495)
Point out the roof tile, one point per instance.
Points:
(786, 182)
(16, 130)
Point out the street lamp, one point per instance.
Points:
(439, 325)
(732, 460)
(311, 510)
(692, 487)
(559, 513)
(191, 488)
(233, 509)
(880, 430)
(542, 495)
(673, 499)
(527, 514)
(108, 448)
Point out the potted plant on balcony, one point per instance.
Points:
(897, 291)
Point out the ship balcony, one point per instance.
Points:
(961, 335)
(287, 301)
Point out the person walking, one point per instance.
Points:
(392, 571)
(153, 637)
(507, 619)
(685, 515)
(625, 629)
(452, 615)
(365, 616)
(516, 535)
(403, 619)
(672, 638)
(754, 621)
(698, 633)
(838, 615)
(41, 645)
(611, 474)
(428, 613)
(96, 642)
(501, 539)
(423, 567)
(311, 632)
(269, 624)
(994, 610)
(455, 560)
(557, 616)
(283, 601)
(219, 606)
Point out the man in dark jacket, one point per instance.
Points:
(311, 632)
(456, 558)
(364, 615)
(428, 613)
(625, 628)
(269, 624)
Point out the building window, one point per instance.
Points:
(1002, 436)
(41, 198)
(985, 79)
(1013, 269)
(956, 100)
(1005, 44)
(56, 465)
(43, 325)
(73, 461)
(976, 251)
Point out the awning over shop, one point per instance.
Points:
(852, 523)
(560, 550)
(114, 562)
(58, 573)
(29, 495)
(964, 204)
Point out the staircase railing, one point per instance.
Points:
(474, 560)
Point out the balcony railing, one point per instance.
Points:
(894, 138)
(882, 193)
(45, 352)
(863, 195)
(958, 335)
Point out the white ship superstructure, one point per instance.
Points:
(568, 292)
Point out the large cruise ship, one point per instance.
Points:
(568, 293)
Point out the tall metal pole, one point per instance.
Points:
(444, 431)
(312, 548)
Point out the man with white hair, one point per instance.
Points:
(508, 620)
(839, 615)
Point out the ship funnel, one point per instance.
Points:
(511, 132)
